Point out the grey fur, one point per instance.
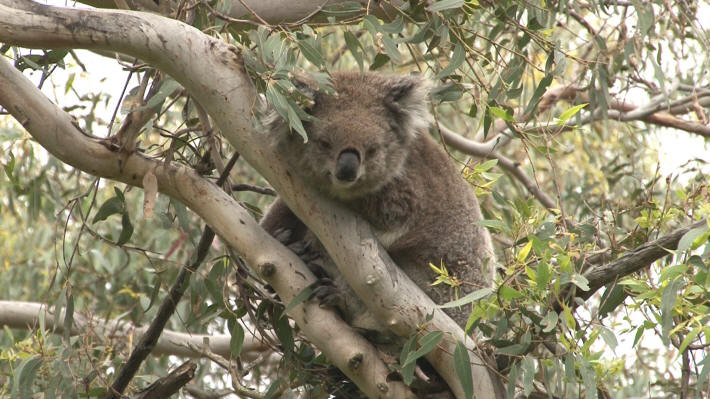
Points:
(420, 207)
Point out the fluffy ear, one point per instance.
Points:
(406, 97)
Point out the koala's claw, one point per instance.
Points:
(327, 294)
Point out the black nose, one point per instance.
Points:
(347, 165)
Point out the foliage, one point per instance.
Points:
(83, 243)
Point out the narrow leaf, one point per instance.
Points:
(688, 239)
(457, 58)
(462, 363)
(237, 340)
(427, 343)
(300, 298)
(471, 297)
(445, 5)
(112, 206)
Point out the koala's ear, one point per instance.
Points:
(406, 97)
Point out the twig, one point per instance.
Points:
(635, 260)
(260, 190)
(170, 384)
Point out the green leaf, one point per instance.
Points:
(493, 224)
(154, 292)
(379, 61)
(539, 91)
(457, 58)
(544, 274)
(355, 48)
(668, 299)
(24, 377)
(110, 207)
(426, 344)
(580, 281)
(391, 49)
(407, 370)
(688, 339)
(294, 122)
(508, 293)
(445, 5)
(126, 229)
(612, 297)
(549, 322)
(671, 272)
(471, 297)
(300, 298)
(608, 336)
(274, 388)
(570, 113)
(68, 316)
(527, 366)
(167, 88)
(485, 166)
(688, 241)
(589, 378)
(512, 350)
(310, 52)
(284, 333)
(395, 27)
(501, 113)
(523, 254)
(236, 342)
(462, 364)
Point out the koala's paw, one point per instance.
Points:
(327, 294)
(283, 235)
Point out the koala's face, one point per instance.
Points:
(361, 137)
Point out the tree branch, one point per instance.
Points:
(486, 150)
(19, 314)
(635, 260)
(170, 384)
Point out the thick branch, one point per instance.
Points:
(18, 314)
(635, 260)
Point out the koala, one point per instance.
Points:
(368, 149)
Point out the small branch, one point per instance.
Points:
(25, 315)
(485, 150)
(635, 260)
(170, 384)
(260, 190)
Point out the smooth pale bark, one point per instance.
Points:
(211, 71)
(20, 314)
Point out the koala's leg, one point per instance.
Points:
(283, 224)
(331, 289)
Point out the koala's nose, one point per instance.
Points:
(347, 165)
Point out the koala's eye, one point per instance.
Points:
(322, 144)
(371, 151)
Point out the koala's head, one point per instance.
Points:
(361, 136)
